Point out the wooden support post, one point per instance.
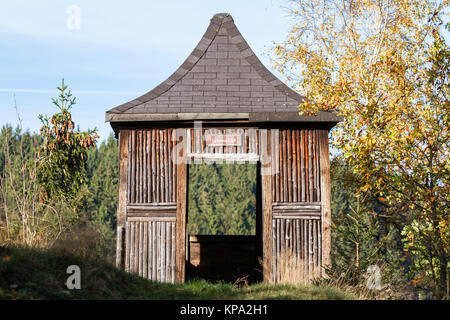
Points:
(267, 208)
(121, 208)
(180, 272)
(120, 247)
(325, 193)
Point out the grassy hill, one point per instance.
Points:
(41, 274)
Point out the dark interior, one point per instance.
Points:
(232, 258)
(223, 257)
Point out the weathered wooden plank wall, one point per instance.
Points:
(150, 249)
(296, 206)
(150, 245)
(295, 198)
(152, 174)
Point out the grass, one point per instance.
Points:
(41, 274)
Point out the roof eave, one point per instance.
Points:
(253, 117)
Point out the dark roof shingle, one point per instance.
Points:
(222, 75)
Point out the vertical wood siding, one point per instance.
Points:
(150, 244)
(297, 155)
(151, 171)
(295, 223)
(296, 229)
(150, 249)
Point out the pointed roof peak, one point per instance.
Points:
(222, 76)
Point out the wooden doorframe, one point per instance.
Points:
(180, 225)
(264, 202)
(182, 212)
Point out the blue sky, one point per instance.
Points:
(121, 49)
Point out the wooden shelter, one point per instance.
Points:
(222, 104)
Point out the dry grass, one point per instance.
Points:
(292, 270)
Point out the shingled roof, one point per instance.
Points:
(221, 79)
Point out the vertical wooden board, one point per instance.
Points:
(149, 166)
(127, 247)
(141, 247)
(284, 165)
(283, 256)
(313, 164)
(314, 231)
(197, 147)
(144, 248)
(141, 162)
(163, 251)
(161, 166)
(288, 242)
(153, 167)
(141, 167)
(279, 267)
(273, 164)
(202, 141)
(175, 174)
(294, 166)
(274, 256)
(267, 229)
(144, 166)
(275, 157)
(123, 176)
(280, 163)
(170, 165)
(168, 251)
(154, 252)
(310, 250)
(166, 168)
(307, 164)
(148, 252)
(133, 167)
(158, 251)
(123, 194)
(289, 165)
(259, 223)
(305, 248)
(325, 184)
(181, 216)
(297, 241)
(119, 247)
(128, 167)
(319, 241)
(302, 165)
(310, 168)
(317, 165)
(172, 259)
(136, 247)
(138, 166)
(297, 165)
(157, 172)
(293, 246)
(132, 247)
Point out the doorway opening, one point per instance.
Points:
(224, 221)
